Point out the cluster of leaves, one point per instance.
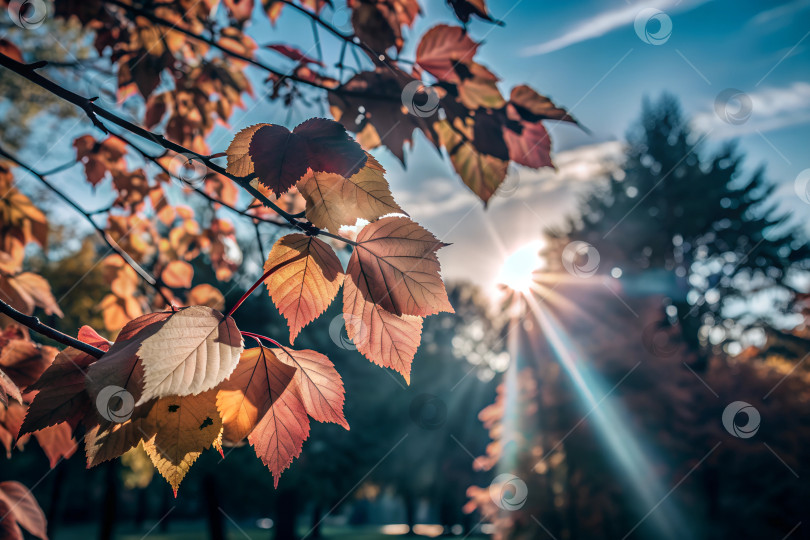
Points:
(176, 380)
(444, 93)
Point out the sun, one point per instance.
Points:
(518, 268)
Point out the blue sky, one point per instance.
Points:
(588, 57)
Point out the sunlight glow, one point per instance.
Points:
(518, 268)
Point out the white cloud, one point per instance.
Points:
(779, 12)
(770, 109)
(605, 22)
(542, 198)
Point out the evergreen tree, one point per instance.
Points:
(686, 222)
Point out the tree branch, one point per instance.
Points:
(94, 113)
(34, 324)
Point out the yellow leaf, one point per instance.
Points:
(306, 278)
(334, 201)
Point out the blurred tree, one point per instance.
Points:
(687, 223)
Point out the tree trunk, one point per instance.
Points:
(109, 505)
(410, 510)
(286, 508)
(55, 507)
(216, 527)
(316, 521)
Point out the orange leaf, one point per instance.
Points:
(386, 339)
(395, 266)
(334, 201)
(177, 275)
(319, 383)
(257, 382)
(307, 277)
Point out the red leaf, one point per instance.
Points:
(293, 53)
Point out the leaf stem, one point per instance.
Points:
(261, 280)
(259, 337)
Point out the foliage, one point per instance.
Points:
(177, 378)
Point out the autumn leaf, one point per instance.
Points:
(8, 389)
(27, 291)
(193, 351)
(205, 294)
(395, 266)
(57, 442)
(110, 440)
(24, 361)
(386, 339)
(19, 508)
(334, 201)
(441, 48)
(17, 211)
(482, 173)
(306, 278)
(186, 425)
(245, 397)
(369, 104)
(466, 8)
(532, 107)
(261, 400)
(529, 144)
(319, 384)
(120, 366)
(293, 53)
(177, 275)
(61, 393)
(280, 157)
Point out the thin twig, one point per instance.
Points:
(33, 323)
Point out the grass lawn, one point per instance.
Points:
(190, 531)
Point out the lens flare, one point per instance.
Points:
(518, 269)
